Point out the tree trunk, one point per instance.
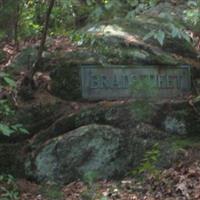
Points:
(28, 85)
(16, 23)
(43, 39)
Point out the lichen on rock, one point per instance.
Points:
(99, 148)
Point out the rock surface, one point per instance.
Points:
(94, 148)
(12, 159)
(118, 42)
(109, 140)
(121, 42)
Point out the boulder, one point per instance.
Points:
(109, 140)
(12, 159)
(175, 118)
(101, 150)
(121, 42)
(66, 81)
(118, 115)
(93, 148)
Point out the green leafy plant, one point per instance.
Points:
(172, 29)
(148, 164)
(52, 192)
(193, 13)
(143, 86)
(144, 91)
(8, 86)
(90, 179)
(8, 188)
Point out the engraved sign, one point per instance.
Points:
(115, 82)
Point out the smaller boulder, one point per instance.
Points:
(99, 149)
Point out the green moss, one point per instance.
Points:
(185, 143)
(11, 160)
(66, 81)
(52, 192)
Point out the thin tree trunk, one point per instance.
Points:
(28, 85)
(16, 23)
(43, 39)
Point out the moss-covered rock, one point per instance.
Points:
(93, 148)
(173, 118)
(121, 41)
(66, 81)
(118, 41)
(12, 159)
(120, 116)
(109, 139)
(102, 150)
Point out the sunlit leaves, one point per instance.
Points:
(157, 35)
(160, 36)
(172, 29)
(133, 3)
(8, 85)
(5, 129)
(7, 80)
(193, 13)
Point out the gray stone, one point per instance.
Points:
(120, 42)
(123, 81)
(175, 126)
(74, 145)
(93, 148)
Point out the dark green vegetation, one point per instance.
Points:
(42, 46)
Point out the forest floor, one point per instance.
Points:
(180, 182)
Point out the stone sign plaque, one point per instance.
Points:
(116, 82)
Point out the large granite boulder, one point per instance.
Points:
(178, 118)
(93, 148)
(121, 42)
(12, 159)
(109, 140)
(102, 150)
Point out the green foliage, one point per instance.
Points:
(143, 86)
(8, 188)
(192, 15)
(7, 14)
(8, 85)
(6, 80)
(185, 143)
(157, 35)
(141, 107)
(52, 192)
(148, 164)
(90, 177)
(2, 53)
(72, 14)
(172, 29)
(92, 190)
(29, 26)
